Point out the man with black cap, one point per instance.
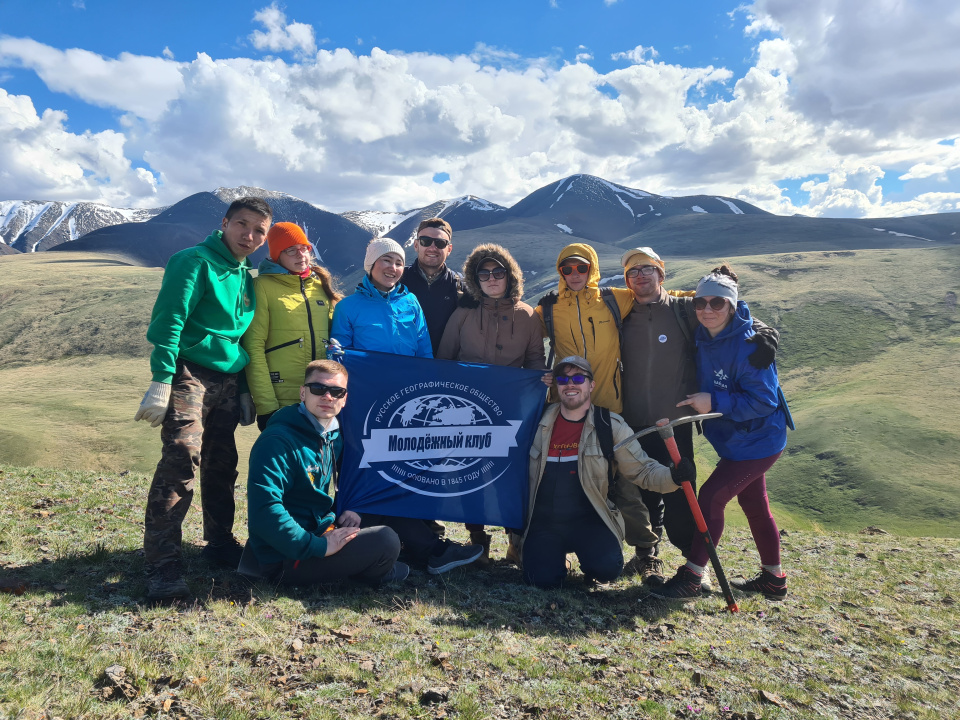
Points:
(659, 370)
(570, 473)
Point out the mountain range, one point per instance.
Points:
(579, 207)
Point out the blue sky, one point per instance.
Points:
(385, 105)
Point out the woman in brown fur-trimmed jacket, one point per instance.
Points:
(492, 325)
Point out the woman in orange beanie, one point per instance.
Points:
(290, 328)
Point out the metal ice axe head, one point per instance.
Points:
(666, 430)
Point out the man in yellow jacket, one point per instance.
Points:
(583, 323)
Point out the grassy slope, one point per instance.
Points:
(867, 361)
(869, 631)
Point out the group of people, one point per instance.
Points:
(230, 349)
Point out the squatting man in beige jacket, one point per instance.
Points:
(569, 509)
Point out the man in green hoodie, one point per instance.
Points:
(199, 394)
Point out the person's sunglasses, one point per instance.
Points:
(716, 303)
(575, 379)
(428, 241)
(569, 269)
(321, 389)
(647, 270)
(496, 273)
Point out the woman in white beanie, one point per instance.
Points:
(382, 315)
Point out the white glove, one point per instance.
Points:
(153, 407)
(248, 411)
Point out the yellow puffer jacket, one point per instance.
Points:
(289, 329)
(583, 326)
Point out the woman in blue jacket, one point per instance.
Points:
(382, 315)
(749, 437)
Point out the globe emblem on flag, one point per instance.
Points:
(437, 411)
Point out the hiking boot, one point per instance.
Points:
(479, 537)
(648, 567)
(706, 585)
(513, 553)
(225, 554)
(398, 573)
(453, 556)
(764, 582)
(167, 583)
(685, 585)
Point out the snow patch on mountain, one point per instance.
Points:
(565, 229)
(624, 203)
(697, 208)
(733, 208)
(376, 221)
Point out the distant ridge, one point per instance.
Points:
(579, 207)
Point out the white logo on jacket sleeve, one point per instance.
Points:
(720, 379)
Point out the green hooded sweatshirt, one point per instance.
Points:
(204, 306)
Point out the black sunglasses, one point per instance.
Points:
(321, 389)
(575, 379)
(497, 273)
(568, 269)
(428, 241)
(716, 303)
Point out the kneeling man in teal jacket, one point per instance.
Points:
(295, 537)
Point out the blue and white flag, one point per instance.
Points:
(437, 439)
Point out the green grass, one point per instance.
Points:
(869, 630)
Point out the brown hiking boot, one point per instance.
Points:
(648, 567)
(513, 553)
(166, 583)
(479, 537)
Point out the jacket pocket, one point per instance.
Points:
(283, 345)
(217, 353)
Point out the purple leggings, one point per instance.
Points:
(745, 480)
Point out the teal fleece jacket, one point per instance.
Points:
(290, 486)
(204, 306)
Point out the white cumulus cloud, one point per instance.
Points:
(280, 36)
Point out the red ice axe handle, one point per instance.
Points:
(667, 434)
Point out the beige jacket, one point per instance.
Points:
(632, 464)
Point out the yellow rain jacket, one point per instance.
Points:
(582, 325)
(290, 328)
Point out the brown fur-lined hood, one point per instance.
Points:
(473, 297)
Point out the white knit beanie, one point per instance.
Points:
(377, 248)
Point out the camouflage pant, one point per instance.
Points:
(197, 432)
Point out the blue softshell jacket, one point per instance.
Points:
(393, 324)
(753, 425)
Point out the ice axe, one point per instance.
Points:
(666, 432)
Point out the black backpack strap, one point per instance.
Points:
(611, 302)
(601, 421)
(683, 320)
(546, 304)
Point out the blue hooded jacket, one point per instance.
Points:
(290, 486)
(393, 324)
(753, 425)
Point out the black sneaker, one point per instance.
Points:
(453, 556)
(685, 585)
(167, 583)
(765, 582)
(648, 567)
(398, 573)
(224, 554)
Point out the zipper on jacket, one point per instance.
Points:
(580, 323)
(593, 329)
(306, 302)
(283, 345)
